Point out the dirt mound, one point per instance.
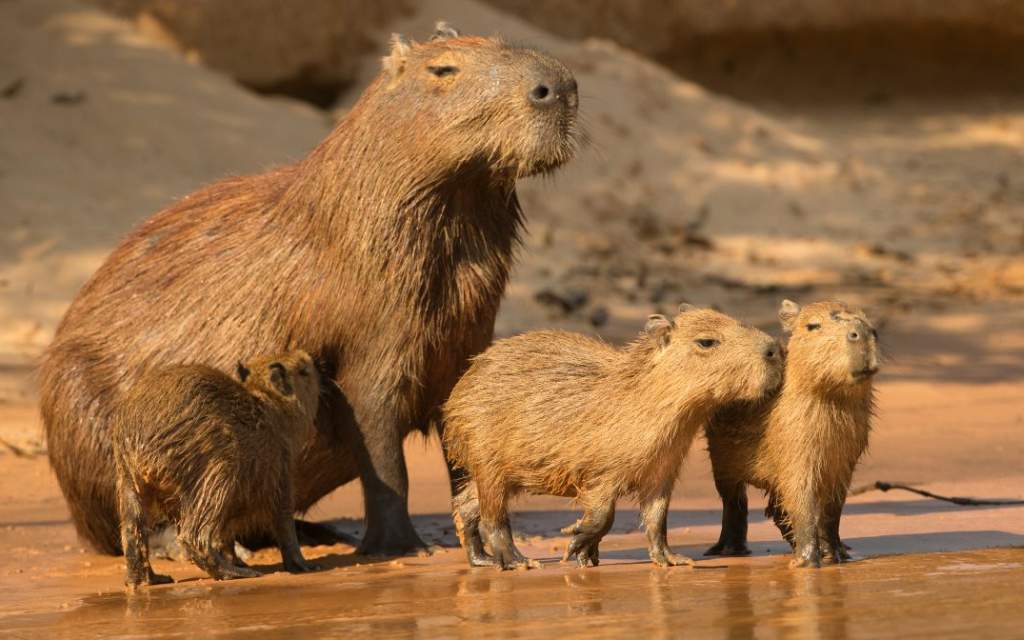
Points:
(308, 50)
(809, 51)
(103, 127)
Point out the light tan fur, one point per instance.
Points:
(802, 446)
(559, 413)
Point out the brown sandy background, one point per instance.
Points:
(742, 153)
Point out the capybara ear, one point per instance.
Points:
(394, 62)
(659, 327)
(686, 306)
(242, 371)
(444, 30)
(788, 311)
(279, 378)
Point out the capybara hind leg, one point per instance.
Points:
(779, 516)
(389, 530)
(732, 541)
(201, 547)
(133, 540)
(466, 515)
(226, 549)
(834, 550)
(587, 532)
(654, 515)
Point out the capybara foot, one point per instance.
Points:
(300, 565)
(669, 559)
(728, 549)
(314, 534)
(389, 541)
(506, 560)
(235, 573)
(807, 558)
(584, 549)
(839, 555)
(149, 580)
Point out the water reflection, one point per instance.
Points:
(736, 600)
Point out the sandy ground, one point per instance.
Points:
(911, 206)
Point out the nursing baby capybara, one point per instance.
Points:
(383, 254)
(801, 445)
(563, 414)
(214, 456)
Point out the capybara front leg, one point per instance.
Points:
(389, 530)
(284, 531)
(134, 540)
(654, 516)
(732, 541)
(807, 542)
(588, 531)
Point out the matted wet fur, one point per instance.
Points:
(801, 445)
(215, 457)
(384, 254)
(559, 413)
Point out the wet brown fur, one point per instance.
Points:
(215, 457)
(559, 413)
(384, 254)
(801, 445)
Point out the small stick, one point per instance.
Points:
(16, 450)
(967, 502)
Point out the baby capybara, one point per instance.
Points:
(383, 254)
(559, 413)
(215, 456)
(801, 445)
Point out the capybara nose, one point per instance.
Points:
(552, 91)
(854, 335)
(542, 95)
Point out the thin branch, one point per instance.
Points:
(966, 502)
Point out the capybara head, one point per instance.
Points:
(289, 378)
(716, 355)
(831, 345)
(480, 100)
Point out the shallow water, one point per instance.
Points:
(976, 593)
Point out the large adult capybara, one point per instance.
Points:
(802, 444)
(383, 254)
(559, 413)
(215, 456)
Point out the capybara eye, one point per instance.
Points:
(443, 70)
(812, 326)
(303, 371)
(706, 343)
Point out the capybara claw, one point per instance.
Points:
(805, 562)
(669, 559)
(296, 566)
(236, 573)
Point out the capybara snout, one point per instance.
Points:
(737, 361)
